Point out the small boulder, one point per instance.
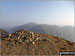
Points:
(9, 34)
(33, 42)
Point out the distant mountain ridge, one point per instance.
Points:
(66, 32)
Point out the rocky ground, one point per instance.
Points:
(24, 42)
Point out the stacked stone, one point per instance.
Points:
(23, 36)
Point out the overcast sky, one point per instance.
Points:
(15, 13)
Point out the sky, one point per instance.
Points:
(15, 13)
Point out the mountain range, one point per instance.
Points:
(66, 32)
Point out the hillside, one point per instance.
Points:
(3, 33)
(66, 32)
(24, 42)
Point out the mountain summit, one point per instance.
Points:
(24, 42)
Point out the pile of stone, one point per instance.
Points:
(25, 36)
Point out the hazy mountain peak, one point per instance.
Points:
(31, 23)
